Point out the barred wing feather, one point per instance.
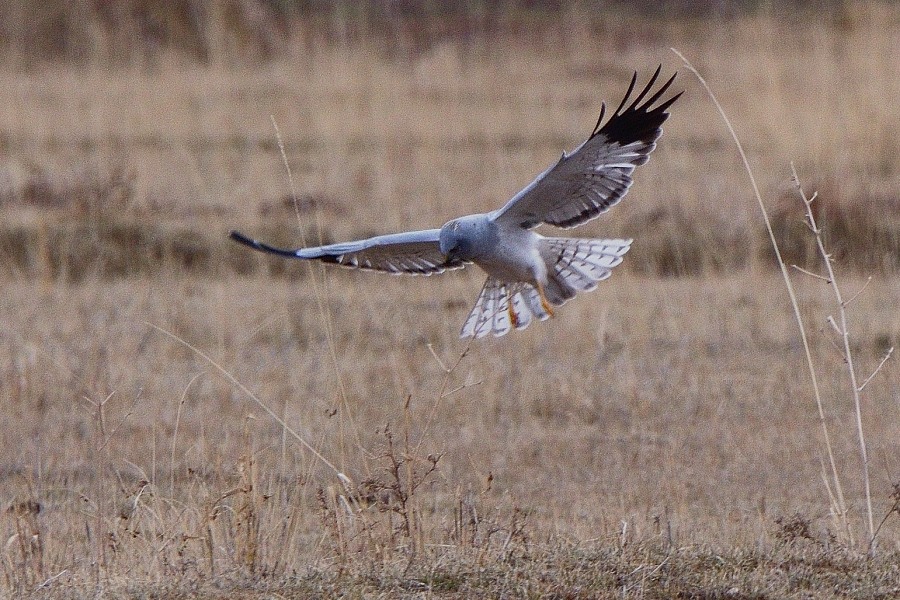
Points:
(412, 253)
(585, 183)
(582, 263)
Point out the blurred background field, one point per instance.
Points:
(657, 437)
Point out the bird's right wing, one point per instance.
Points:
(412, 252)
(585, 183)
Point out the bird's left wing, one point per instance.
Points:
(587, 182)
(412, 252)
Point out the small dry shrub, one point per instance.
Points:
(24, 564)
(383, 513)
(794, 528)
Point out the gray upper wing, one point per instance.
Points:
(587, 182)
(413, 252)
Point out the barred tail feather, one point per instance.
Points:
(501, 307)
(577, 265)
(533, 300)
(573, 265)
(521, 309)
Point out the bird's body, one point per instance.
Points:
(506, 252)
(522, 260)
(528, 274)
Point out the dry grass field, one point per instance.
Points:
(184, 418)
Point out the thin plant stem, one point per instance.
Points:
(323, 306)
(848, 355)
(175, 433)
(842, 506)
(884, 359)
(227, 374)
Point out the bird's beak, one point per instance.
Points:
(447, 250)
(450, 254)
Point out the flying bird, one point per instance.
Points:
(528, 274)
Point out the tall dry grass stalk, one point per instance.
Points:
(836, 500)
(319, 291)
(234, 381)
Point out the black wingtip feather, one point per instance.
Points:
(646, 89)
(240, 238)
(640, 121)
(256, 245)
(665, 105)
(662, 90)
(627, 94)
(600, 118)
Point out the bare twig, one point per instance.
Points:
(848, 354)
(830, 320)
(49, 581)
(442, 393)
(437, 358)
(856, 295)
(811, 274)
(895, 508)
(887, 355)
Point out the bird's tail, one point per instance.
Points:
(577, 265)
(501, 307)
(573, 265)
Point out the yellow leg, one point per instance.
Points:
(513, 317)
(544, 304)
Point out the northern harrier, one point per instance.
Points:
(528, 274)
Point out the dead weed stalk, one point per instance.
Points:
(836, 497)
(841, 328)
(23, 563)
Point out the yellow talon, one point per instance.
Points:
(513, 318)
(544, 304)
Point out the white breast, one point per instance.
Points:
(515, 256)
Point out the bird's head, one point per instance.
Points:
(459, 237)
